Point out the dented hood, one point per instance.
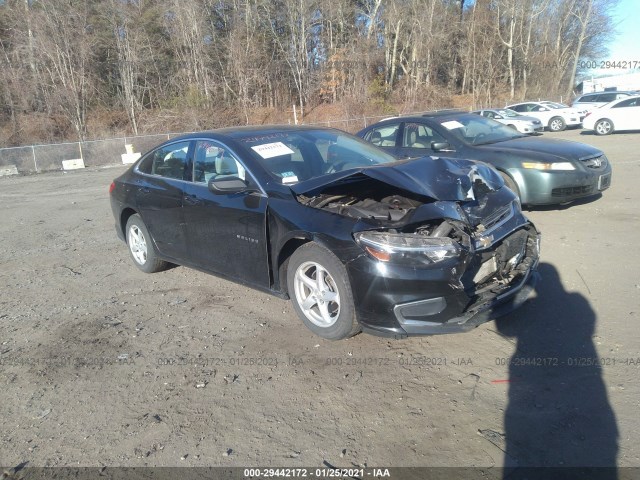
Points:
(437, 178)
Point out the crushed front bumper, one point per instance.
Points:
(451, 298)
(502, 304)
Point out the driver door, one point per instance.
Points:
(226, 232)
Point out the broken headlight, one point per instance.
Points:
(407, 249)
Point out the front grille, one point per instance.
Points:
(596, 163)
(498, 217)
(570, 191)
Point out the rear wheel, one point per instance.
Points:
(557, 124)
(320, 292)
(141, 246)
(603, 127)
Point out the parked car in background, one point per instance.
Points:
(355, 238)
(591, 101)
(619, 115)
(510, 118)
(539, 170)
(555, 119)
(582, 112)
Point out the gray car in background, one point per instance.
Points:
(505, 116)
(591, 101)
(539, 170)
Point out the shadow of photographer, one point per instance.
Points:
(558, 413)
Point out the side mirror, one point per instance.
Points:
(498, 117)
(438, 146)
(226, 185)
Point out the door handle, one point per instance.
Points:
(191, 200)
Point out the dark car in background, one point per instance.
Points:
(539, 170)
(356, 238)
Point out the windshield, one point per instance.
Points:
(295, 156)
(476, 130)
(554, 105)
(507, 112)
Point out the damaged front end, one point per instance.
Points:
(440, 262)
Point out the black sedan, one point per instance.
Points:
(539, 170)
(356, 238)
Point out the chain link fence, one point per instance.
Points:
(95, 153)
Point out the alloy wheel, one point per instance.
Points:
(137, 244)
(317, 294)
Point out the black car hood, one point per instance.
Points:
(560, 149)
(446, 179)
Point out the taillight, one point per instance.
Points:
(112, 187)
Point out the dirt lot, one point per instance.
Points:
(101, 364)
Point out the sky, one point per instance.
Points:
(626, 46)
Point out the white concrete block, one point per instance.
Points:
(73, 164)
(128, 158)
(8, 170)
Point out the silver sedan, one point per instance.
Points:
(510, 118)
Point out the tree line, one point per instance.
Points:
(125, 62)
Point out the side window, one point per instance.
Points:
(213, 160)
(632, 102)
(384, 136)
(606, 97)
(168, 161)
(419, 136)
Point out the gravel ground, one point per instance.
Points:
(102, 365)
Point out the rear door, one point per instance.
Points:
(158, 195)
(226, 232)
(384, 136)
(416, 139)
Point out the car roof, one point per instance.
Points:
(442, 113)
(624, 92)
(524, 103)
(238, 132)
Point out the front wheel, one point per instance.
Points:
(603, 127)
(141, 247)
(557, 124)
(320, 292)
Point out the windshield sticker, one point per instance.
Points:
(292, 178)
(452, 124)
(269, 150)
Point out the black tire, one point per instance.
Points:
(557, 124)
(149, 262)
(342, 322)
(512, 126)
(511, 184)
(603, 126)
